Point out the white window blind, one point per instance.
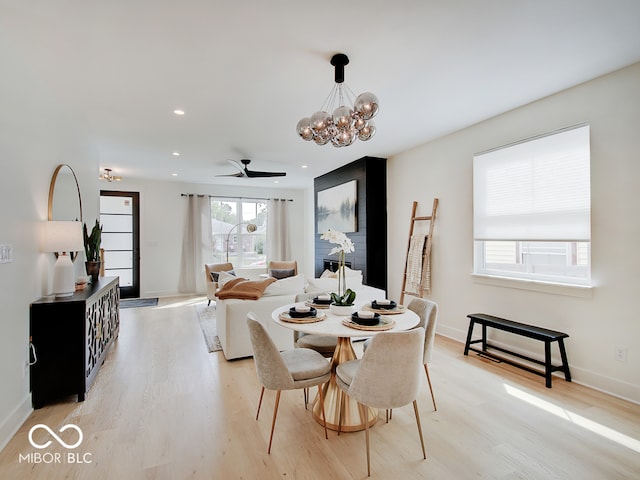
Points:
(537, 190)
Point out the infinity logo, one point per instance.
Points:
(58, 439)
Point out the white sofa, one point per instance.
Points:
(231, 314)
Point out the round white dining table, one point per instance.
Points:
(332, 325)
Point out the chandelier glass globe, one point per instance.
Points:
(346, 123)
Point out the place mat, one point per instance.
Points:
(385, 324)
(387, 311)
(285, 317)
(309, 303)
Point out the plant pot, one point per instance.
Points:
(342, 310)
(93, 269)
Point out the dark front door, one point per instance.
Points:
(120, 219)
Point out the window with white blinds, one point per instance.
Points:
(532, 208)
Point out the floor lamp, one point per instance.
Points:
(251, 227)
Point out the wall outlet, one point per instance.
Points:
(620, 354)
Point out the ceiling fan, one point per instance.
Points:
(245, 172)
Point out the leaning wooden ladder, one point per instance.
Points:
(424, 286)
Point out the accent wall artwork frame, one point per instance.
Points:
(336, 208)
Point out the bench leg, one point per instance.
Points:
(547, 363)
(469, 334)
(484, 337)
(565, 362)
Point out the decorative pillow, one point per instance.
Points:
(329, 274)
(279, 273)
(323, 285)
(352, 273)
(286, 286)
(226, 277)
(215, 275)
(330, 285)
(349, 273)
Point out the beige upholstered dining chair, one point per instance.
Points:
(212, 285)
(289, 370)
(324, 344)
(428, 313)
(387, 376)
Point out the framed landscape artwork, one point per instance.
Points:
(336, 208)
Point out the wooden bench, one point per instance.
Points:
(537, 333)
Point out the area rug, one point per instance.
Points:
(207, 318)
(138, 302)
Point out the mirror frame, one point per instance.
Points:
(51, 192)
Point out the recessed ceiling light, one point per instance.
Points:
(305, 166)
(174, 174)
(276, 181)
(178, 112)
(176, 154)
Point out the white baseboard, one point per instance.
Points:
(587, 378)
(14, 421)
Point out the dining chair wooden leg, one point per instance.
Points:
(306, 397)
(273, 422)
(341, 395)
(324, 418)
(415, 409)
(260, 403)
(363, 414)
(433, 398)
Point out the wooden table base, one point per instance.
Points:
(351, 421)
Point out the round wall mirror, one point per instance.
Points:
(65, 202)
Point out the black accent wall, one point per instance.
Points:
(370, 240)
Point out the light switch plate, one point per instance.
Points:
(6, 254)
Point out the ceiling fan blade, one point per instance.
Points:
(237, 165)
(241, 173)
(256, 174)
(238, 175)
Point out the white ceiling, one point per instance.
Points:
(246, 71)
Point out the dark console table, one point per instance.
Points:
(71, 337)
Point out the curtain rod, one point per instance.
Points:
(241, 198)
(535, 137)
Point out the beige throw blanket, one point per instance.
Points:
(418, 266)
(244, 289)
(414, 263)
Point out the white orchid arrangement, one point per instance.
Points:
(345, 296)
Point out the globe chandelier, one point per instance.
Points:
(349, 119)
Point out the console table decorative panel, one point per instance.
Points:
(71, 338)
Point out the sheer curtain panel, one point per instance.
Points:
(195, 243)
(278, 237)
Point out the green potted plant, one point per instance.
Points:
(92, 250)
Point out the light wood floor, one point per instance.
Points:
(164, 408)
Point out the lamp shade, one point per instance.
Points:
(62, 236)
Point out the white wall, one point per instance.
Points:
(33, 141)
(38, 131)
(596, 324)
(162, 218)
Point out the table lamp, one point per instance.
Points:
(63, 238)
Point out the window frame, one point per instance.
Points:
(523, 270)
(236, 232)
